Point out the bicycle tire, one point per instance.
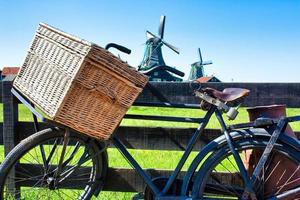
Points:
(83, 171)
(210, 184)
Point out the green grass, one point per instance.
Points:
(153, 158)
(1, 152)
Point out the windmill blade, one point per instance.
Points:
(165, 43)
(171, 47)
(209, 62)
(161, 28)
(151, 34)
(200, 55)
(197, 64)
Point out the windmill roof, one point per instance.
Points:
(204, 79)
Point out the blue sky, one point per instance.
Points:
(248, 41)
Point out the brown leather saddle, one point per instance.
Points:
(228, 94)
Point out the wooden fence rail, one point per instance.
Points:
(152, 138)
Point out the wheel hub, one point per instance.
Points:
(50, 182)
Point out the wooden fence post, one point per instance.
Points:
(10, 115)
(10, 120)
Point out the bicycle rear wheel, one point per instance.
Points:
(220, 178)
(30, 170)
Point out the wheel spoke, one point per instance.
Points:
(44, 157)
(72, 155)
(51, 152)
(225, 187)
(287, 181)
(84, 158)
(62, 155)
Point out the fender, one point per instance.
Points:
(221, 141)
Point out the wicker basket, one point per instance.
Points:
(78, 83)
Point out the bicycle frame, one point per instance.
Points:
(161, 194)
(121, 147)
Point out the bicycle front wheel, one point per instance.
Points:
(30, 170)
(220, 178)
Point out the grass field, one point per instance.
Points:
(148, 158)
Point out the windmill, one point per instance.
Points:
(197, 70)
(153, 63)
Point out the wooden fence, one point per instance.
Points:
(154, 138)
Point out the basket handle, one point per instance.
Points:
(105, 91)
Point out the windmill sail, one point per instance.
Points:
(153, 55)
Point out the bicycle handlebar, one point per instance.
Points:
(119, 47)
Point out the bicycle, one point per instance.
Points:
(62, 156)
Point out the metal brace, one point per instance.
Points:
(221, 106)
(231, 112)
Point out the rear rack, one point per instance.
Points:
(263, 122)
